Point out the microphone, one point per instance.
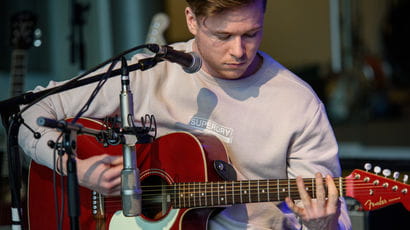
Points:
(190, 62)
(131, 193)
(60, 125)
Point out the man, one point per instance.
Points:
(274, 126)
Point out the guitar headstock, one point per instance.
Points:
(23, 25)
(376, 191)
(159, 24)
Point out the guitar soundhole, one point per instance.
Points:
(154, 197)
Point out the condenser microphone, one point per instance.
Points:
(190, 62)
(131, 192)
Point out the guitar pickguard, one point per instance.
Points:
(119, 221)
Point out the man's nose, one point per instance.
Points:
(237, 48)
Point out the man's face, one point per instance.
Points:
(228, 41)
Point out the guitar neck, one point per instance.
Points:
(18, 71)
(211, 194)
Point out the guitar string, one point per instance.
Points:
(365, 190)
(252, 194)
(292, 194)
(253, 185)
(117, 204)
(194, 187)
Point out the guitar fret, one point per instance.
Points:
(313, 188)
(249, 191)
(18, 71)
(188, 194)
(192, 195)
(172, 196)
(283, 189)
(199, 194)
(289, 187)
(176, 195)
(233, 192)
(240, 190)
(245, 192)
(221, 191)
(259, 198)
(215, 197)
(218, 197)
(183, 195)
(206, 194)
(226, 198)
(278, 191)
(20, 67)
(179, 195)
(212, 195)
(267, 188)
(263, 193)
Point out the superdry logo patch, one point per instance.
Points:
(224, 133)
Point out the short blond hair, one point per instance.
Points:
(205, 8)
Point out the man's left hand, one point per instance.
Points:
(322, 212)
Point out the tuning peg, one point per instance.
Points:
(396, 175)
(367, 166)
(386, 172)
(405, 178)
(377, 169)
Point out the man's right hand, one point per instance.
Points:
(101, 173)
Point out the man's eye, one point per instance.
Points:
(251, 35)
(223, 36)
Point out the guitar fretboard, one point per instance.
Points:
(18, 71)
(211, 194)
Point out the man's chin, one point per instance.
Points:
(233, 74)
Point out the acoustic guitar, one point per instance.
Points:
(182, 187)
(22, 29)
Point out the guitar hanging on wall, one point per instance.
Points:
(159, 24)
(23, 26)
(182, 187)
(22, 37)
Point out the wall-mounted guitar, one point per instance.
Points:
(159, 24)
(181, 186)
(22, 37)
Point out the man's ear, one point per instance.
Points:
(191, 21)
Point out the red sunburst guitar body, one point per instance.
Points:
(178, 157)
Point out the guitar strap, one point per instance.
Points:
(225, 170)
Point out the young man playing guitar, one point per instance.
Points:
(271, 122)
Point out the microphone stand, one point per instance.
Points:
(11, 119)
(11, 122)
(29, 97)
(69, 145)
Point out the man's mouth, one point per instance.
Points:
(236, 64)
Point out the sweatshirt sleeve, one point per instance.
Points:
(62, 106)
(316, 150)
